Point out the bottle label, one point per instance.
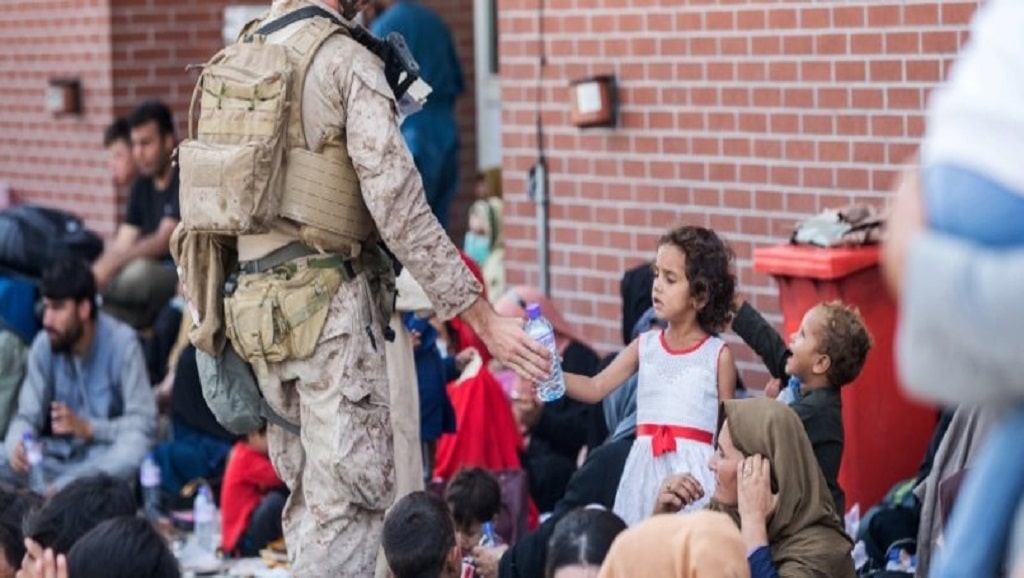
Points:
(149, 476)
(468, 570)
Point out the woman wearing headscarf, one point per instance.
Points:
(768, 481)
(698, 545)
(485, 243)
(557, 430)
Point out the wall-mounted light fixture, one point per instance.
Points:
(64, 96)
(593, 101)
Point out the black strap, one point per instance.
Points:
(292, 17)
(277, 419)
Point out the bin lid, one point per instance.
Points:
(815, 262)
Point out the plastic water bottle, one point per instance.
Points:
(149, 479)
(540, 330)
(204, 514)
(34, 455)
(488, 537)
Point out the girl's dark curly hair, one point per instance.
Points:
(708, 271)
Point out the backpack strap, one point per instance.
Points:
(277, 419)
(295, 16)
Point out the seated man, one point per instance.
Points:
(135, 272)
(86, 395)
(12, 371)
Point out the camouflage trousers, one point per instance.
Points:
(340, 469)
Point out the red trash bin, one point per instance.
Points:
(886, 433)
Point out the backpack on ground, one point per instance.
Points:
(32, 237)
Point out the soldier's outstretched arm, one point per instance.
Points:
(393, 192)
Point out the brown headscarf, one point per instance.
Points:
(698, 545)
(804, 534)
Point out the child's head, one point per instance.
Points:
(78, 508)
(127, 546)
(14, 506)
(692, 273)
(474, 497)
(580, 542)
(419, 538)
(257, 440)
(830, 346)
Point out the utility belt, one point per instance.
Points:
(276, 307)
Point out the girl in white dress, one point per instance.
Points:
(684, 372)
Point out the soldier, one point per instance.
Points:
(306, 312)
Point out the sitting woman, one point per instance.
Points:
(769, 482)
(696, 545)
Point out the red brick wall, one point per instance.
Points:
(43, 158)
(124, 51)
(745, 116)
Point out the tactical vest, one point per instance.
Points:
(247, 163)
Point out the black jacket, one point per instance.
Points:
(596, 482)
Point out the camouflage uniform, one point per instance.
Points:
(341, 468)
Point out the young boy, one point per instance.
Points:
(419, 538)
(474, 498)
(252, 498)
(824, 354)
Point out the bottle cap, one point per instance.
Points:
(533, 311)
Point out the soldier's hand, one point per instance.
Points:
(508, 342)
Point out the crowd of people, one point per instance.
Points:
(656, 461)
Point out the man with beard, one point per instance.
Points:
(135, 273)
(431, 134)
(86, 396)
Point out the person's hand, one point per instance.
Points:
(486, 560)
(464, 357)
(66, 422)
(906, 221)
(756, 500)
(772, 388)
(677, 492)
(39, 563)
(738, 299)
(509, 343)
(19, 460)
(527, 409)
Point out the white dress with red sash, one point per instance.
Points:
(677, 414)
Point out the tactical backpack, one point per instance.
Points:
(246, 162)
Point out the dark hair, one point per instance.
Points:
(845, 340)
(78, 508)
(474, 496)
(708, 272)
(126, 547)
(14, 506)
(69, 279)
(119, 130)
(153, 111)
(417, 536)
(583, 536)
